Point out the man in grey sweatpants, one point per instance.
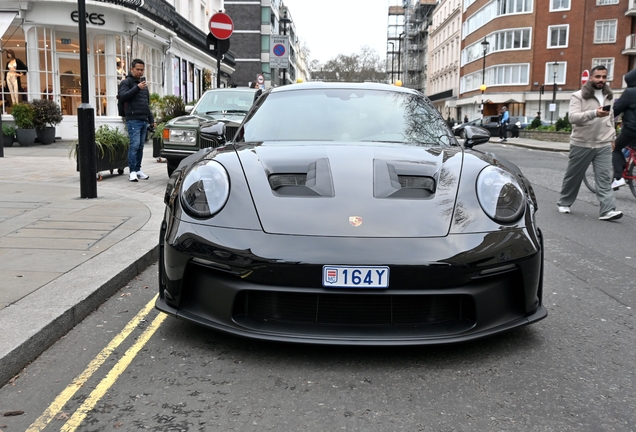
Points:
(591, 142)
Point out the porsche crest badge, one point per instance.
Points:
(355, 221)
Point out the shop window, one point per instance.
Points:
(14, 77)
(45, 68)
(176, 76)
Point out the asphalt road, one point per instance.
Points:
(574, 371)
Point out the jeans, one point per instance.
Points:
(137, 135)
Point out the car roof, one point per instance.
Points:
(343, 85)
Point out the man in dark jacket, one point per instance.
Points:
(625, 105)
(133, 92)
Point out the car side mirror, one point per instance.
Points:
(189, 108)
(475, 135)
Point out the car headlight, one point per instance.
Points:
(500, 195)
(183, 136)
(205, 189)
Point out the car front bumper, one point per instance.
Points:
(451, 289)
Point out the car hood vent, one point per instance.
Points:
(358, 191)
(316, 181)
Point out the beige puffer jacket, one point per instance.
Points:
(587, 129)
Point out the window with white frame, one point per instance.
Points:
(555, 73)
(516, 74)
(608, 63)
(559, 5)
(494, 9)
(558, 36)
(606, 2)
(605, 31)
(510, 39)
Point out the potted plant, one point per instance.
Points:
(24, 114)
(8, 133)
(157, 141)
(112, 149)
(47, 115)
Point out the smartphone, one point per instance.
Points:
(607, 107)
(143, 78)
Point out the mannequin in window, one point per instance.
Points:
(15, 68)
(121, 70)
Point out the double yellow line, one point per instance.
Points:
(76, 419)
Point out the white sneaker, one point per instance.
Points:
(142, 176)
(618, 183)
(132, 176)
(612, 215)
(564, 209)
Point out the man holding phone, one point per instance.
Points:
(133, 92)
(591, 142)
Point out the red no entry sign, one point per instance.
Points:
(585, 76)
(221, 26)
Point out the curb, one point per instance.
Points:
(35, 323)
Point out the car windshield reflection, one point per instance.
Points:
(346, 115)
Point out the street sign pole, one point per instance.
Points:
(221, 28)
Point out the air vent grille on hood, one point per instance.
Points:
(315, 182)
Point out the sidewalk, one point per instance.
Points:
(62, 256)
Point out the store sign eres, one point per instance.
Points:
(91, 18)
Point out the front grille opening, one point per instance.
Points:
(354, 309)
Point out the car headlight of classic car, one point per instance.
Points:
(205, 189)
(182, 136)
(500, 195)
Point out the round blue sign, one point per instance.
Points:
(279, 50)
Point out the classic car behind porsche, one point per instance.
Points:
(350, 214)
(212, 121)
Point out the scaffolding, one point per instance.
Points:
(407, 42)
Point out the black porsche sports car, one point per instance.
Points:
(350, 214)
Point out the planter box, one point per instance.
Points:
(7, 141)
(545, 136)
(107, 164)
(46, 135)
(25, 137)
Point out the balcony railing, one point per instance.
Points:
(630, 45)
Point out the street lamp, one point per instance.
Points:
(392, 58)
(284, 21)
(555, 67)
(484, 44)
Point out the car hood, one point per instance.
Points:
(343, 190)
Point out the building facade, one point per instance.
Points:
(530, 54)
(170, 37)
(255, 21)
(443, 64)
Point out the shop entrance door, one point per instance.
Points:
(68, 66)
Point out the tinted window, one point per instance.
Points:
(347, 115)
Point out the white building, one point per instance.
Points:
(444, 53)
(169, 36)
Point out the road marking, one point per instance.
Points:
(81, 379)
(76, 419)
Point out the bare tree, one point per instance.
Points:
(365, 65)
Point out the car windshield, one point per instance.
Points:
(352, 115)
(219, 101)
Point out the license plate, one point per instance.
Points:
(355, 277)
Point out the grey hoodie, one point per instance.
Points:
(626, 104)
